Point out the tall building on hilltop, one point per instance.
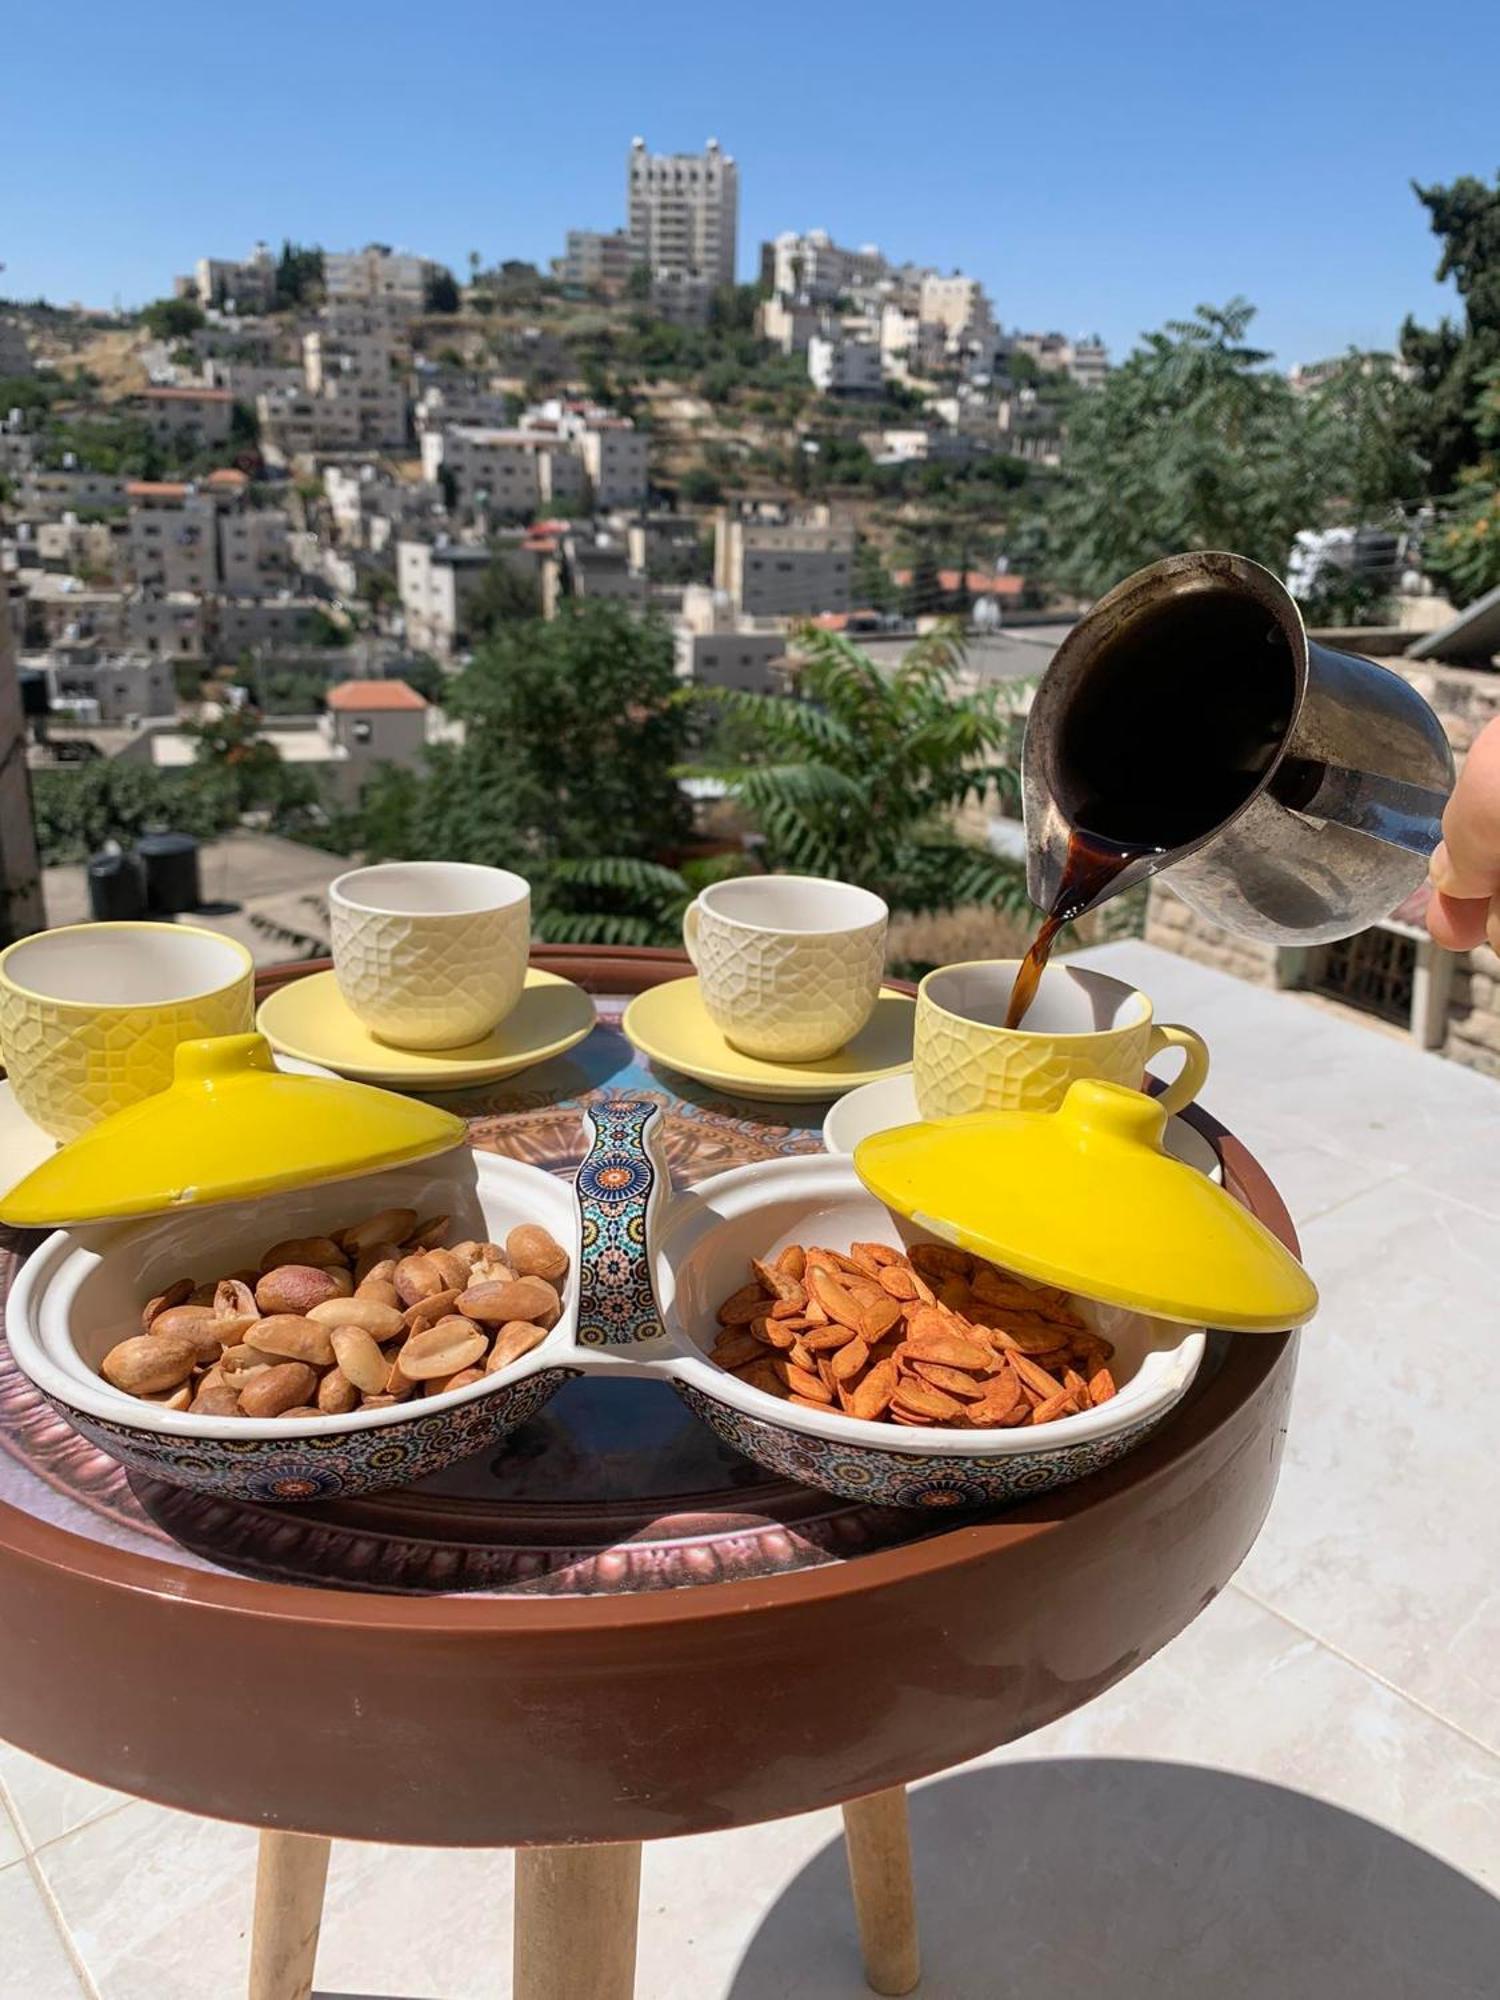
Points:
(682, 211)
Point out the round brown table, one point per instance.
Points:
(573, 1647)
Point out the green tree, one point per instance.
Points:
(506, 595)
(1463, 551)
(442, 293)
(299, 275)
(1192, 443)
(638, 282)
(700, 487)
(173, 319)
(76, 811)
(231, 745)
(860, 772)
(1450, 362)
(572, 734)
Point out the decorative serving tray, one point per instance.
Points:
(612, 1487)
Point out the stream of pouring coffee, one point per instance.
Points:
(1091, 866)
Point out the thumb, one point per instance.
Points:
(1466, 866)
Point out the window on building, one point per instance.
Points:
(1373, 971)
(361, 732)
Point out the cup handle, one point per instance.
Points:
(620, 1189)
(692, 916)
(1186, 1085)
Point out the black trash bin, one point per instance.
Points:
(170, 861)
(117, 887)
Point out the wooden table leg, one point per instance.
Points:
(877, 1840)
(289, 1882)
(575, 1922)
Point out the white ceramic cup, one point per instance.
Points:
(430, 954)
(1082, 1023)
(789, 965)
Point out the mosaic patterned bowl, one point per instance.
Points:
(649, 1270)
(703, 1255)
(82, 1291)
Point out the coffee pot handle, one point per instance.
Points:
(620, 1190)
(1390, 810)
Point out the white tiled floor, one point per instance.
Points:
(1300, 1797)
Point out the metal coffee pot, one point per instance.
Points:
(1340, 806)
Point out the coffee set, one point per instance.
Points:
(187, 1134)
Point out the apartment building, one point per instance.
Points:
(44, 491)
(107, 687)
(682, 210)
(254, 555)
(508, 473)
(810, 265)
(715, 646)
(597, 260)
(294, 423)
(21, 908)
(958, 305)
(787, 323)
(376, 273)
(247, 286)
(355, 364)
(174, 625)
(437, 582)
(584, 565)
(246, 380)
(462, 401)
(370, 509)
(92, 547)
(1086, 362)
(928, 446)
(172, 536)
(201, 414)
(789, 569)
(909, 344)
(682, 298)
(262, 624)
(15, 355)
(839, 366)
(614, 456)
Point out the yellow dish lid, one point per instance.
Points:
(1085, 1198)
(229, 1125)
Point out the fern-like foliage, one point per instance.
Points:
(860, 771)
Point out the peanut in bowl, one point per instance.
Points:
(81, 1295)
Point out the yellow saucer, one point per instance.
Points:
(310, 1018)
(670, 1024)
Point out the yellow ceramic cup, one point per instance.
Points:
(91, 1015)
(1082, 1023)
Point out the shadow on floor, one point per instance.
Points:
(1141, 1881)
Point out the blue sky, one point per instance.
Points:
(1098, 166)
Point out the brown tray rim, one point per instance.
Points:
(1249, 1362)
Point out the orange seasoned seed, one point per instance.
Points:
(792, 1261)
(920, 1398)
(899, 1281)
(873, 1396)
(1054, 1406)
(1101, 1386)
(849, 1360)
(748, 1303)
(802, 1383)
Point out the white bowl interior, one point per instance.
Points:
(429, 888)
(800, 903)
(157, 965)
(713, 1231)
(1070, 999)
(83, 1291)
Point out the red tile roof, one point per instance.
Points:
(227, 475)
(156, 489)
(980, 583)
(191, 395)
(370, 695)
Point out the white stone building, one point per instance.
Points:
(959, 306)
(839, 366)
(507, 473)
(683, 210)
(173, 536)
(248, 286)
(598, 260)
(378, 274)
(437, 582)
(110, 688)
(789, 324)
(809, 265)
(614, 455)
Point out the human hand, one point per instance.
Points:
(1465, 867)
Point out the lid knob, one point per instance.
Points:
(217, 1057)
(1093, 1106)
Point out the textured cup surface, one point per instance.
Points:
(91, 1015)
(1081, 1024)
(789, 965)
(430, 954)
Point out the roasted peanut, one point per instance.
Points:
(389, 1227)
(530, 1299)
(291, 1338)
(381, 1322)
(360, 1359)
(294, 1288)
(149, 1362)
(515, 1338)
(318, 1250)
(337, 1395)
(198, 1325)
(441, 1350)
(283, 1387)
(170, 1295)
(532, 1253)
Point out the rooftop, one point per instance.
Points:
(370, 696)
(189, 395)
